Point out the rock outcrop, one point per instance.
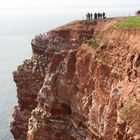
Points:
(72, 89)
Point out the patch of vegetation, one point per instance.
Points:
(123, 111)
(130, 111)
(91, 42)
(133, 21)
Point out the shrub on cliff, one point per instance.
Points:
(91, 42)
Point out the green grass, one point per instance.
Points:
(123, 111)
(91, 42)
(133, 22)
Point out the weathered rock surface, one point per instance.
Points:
(71, 91)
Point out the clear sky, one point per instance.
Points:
(112, 7)
(43, 4)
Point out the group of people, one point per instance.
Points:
(138, 13)
(89, 16)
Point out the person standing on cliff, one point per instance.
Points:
(88, 16)
(91, 16)
(103, 15)
(99, 15)
(95, 16)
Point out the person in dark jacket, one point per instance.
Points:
(104, 15)
(95, 16)
(91, 16)
(98, 16)
(101, 15)
(88, 16)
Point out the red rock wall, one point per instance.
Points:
(69, 91)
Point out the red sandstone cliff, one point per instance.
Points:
(69, 90)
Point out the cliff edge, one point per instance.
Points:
(81, 83)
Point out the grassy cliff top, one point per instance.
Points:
(133, 22)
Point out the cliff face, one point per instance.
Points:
(69, 90)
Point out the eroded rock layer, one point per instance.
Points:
(71, 90)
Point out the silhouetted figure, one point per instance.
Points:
(91, 16)
(98, 15)
(138, 13)
(104, 15)
(101, 15)
(95, 16)
(88, 16)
